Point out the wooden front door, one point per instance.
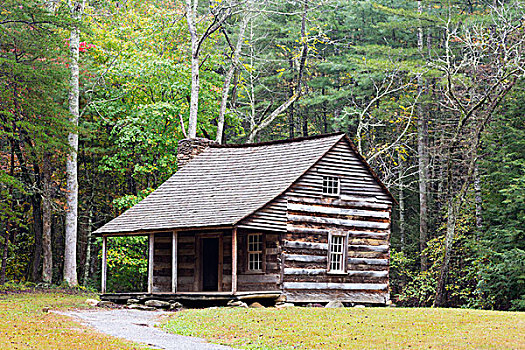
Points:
(210, 264)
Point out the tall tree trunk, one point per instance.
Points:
(478, 199)
(305, 124)
(36, 204)
(191, 9)
(305, 47)
(291, 109)
(422, 147)
(5, 250)
(47, 265)
(85, 277)
(228, 78)
(449, 241)
(423, 188)
(402, 221)
(291, 119)
(325, 117)
(70, 253)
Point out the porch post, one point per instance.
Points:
(104, 263)
(151, 244)
(174, 262)
(234, 260)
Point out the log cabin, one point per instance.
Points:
(306, 218)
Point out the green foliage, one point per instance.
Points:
(501, 257)
(14, 286)
(410, 287)
(145, 142)
(127, 260)
(501, 280)
(127, 201)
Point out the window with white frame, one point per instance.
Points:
(337, 252)
(331, 185)
(255, 252)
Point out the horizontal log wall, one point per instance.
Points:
(162, 262)
(319, 296)
(269, 279)
(186, 261)
(362, 211)
(356, 180)
(227, 261)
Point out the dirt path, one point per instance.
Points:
(139, 327)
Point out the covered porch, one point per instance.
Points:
(191, 265)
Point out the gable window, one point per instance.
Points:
(255, 252)
(337, 254)
(331, 185)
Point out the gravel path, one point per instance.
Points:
(139, 326)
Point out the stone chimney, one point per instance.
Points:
(190, 148)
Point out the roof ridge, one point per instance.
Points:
(274, 142)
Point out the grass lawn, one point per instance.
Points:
(23, 325)
(353, 328)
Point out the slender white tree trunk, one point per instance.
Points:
(422, 137)
(402, 223)
(70, 253)
(191, 9)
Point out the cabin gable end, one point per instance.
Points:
(337, 242)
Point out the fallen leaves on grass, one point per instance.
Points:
(23, 325)
(370, 328)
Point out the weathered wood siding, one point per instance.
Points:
(272, 217)
(162, 262)
(227, 261)
(270, 278)
(186, 261)
(362, 211)
(356, 179)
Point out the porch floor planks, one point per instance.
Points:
(192, 296)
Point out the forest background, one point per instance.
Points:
(431, 92)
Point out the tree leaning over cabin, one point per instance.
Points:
(221, 11)
(301, 58)
(236, 52)
(482, 63)
(76, 9)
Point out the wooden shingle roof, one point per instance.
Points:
(223, 185)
